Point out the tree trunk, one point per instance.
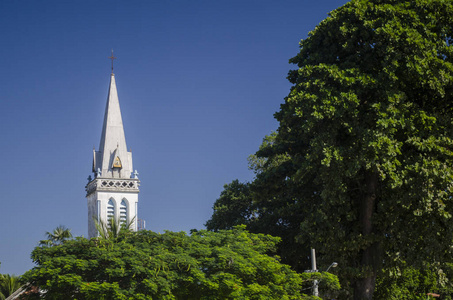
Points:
(364, 287)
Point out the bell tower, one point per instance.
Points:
(113, 193)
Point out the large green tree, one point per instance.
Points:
(414, 283)
(368, 127)
(231, 264)
(239, 203)
(361, 163)
(264, 207)
(233, 207)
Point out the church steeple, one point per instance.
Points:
(113, 141)
(113, 193)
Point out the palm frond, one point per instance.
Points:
(8, 285)
(113, 228)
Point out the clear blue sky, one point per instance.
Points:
(198, 83)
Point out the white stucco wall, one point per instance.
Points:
(103, 198)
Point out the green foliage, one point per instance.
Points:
(57, 236)
(8, 285)
(370, 100)
(361, 165)
(328, 284)
(407, 282)
(229, 264)
(260, 164)
(369, 115)
(234, 207)
(113, 228)
(263, 206)
(239, 204)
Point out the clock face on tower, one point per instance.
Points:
(117, 163)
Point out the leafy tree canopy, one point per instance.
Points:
(145, 265)
(368, 128)
(361, 165)
(414, 283)
(234, 207)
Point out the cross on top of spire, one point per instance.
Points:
(112, 58)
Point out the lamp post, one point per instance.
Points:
(333, 265)
(313, 269)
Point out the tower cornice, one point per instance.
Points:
(122, 185)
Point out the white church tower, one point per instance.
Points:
(113, 193)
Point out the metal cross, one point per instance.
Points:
(112, 58)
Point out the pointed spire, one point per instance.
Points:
(113, 141)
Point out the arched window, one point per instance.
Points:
(123, 212)
(110, 210)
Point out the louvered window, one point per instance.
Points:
(110, 211)
(123, 212)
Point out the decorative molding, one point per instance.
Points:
(113, 185)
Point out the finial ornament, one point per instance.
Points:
(112, 58)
